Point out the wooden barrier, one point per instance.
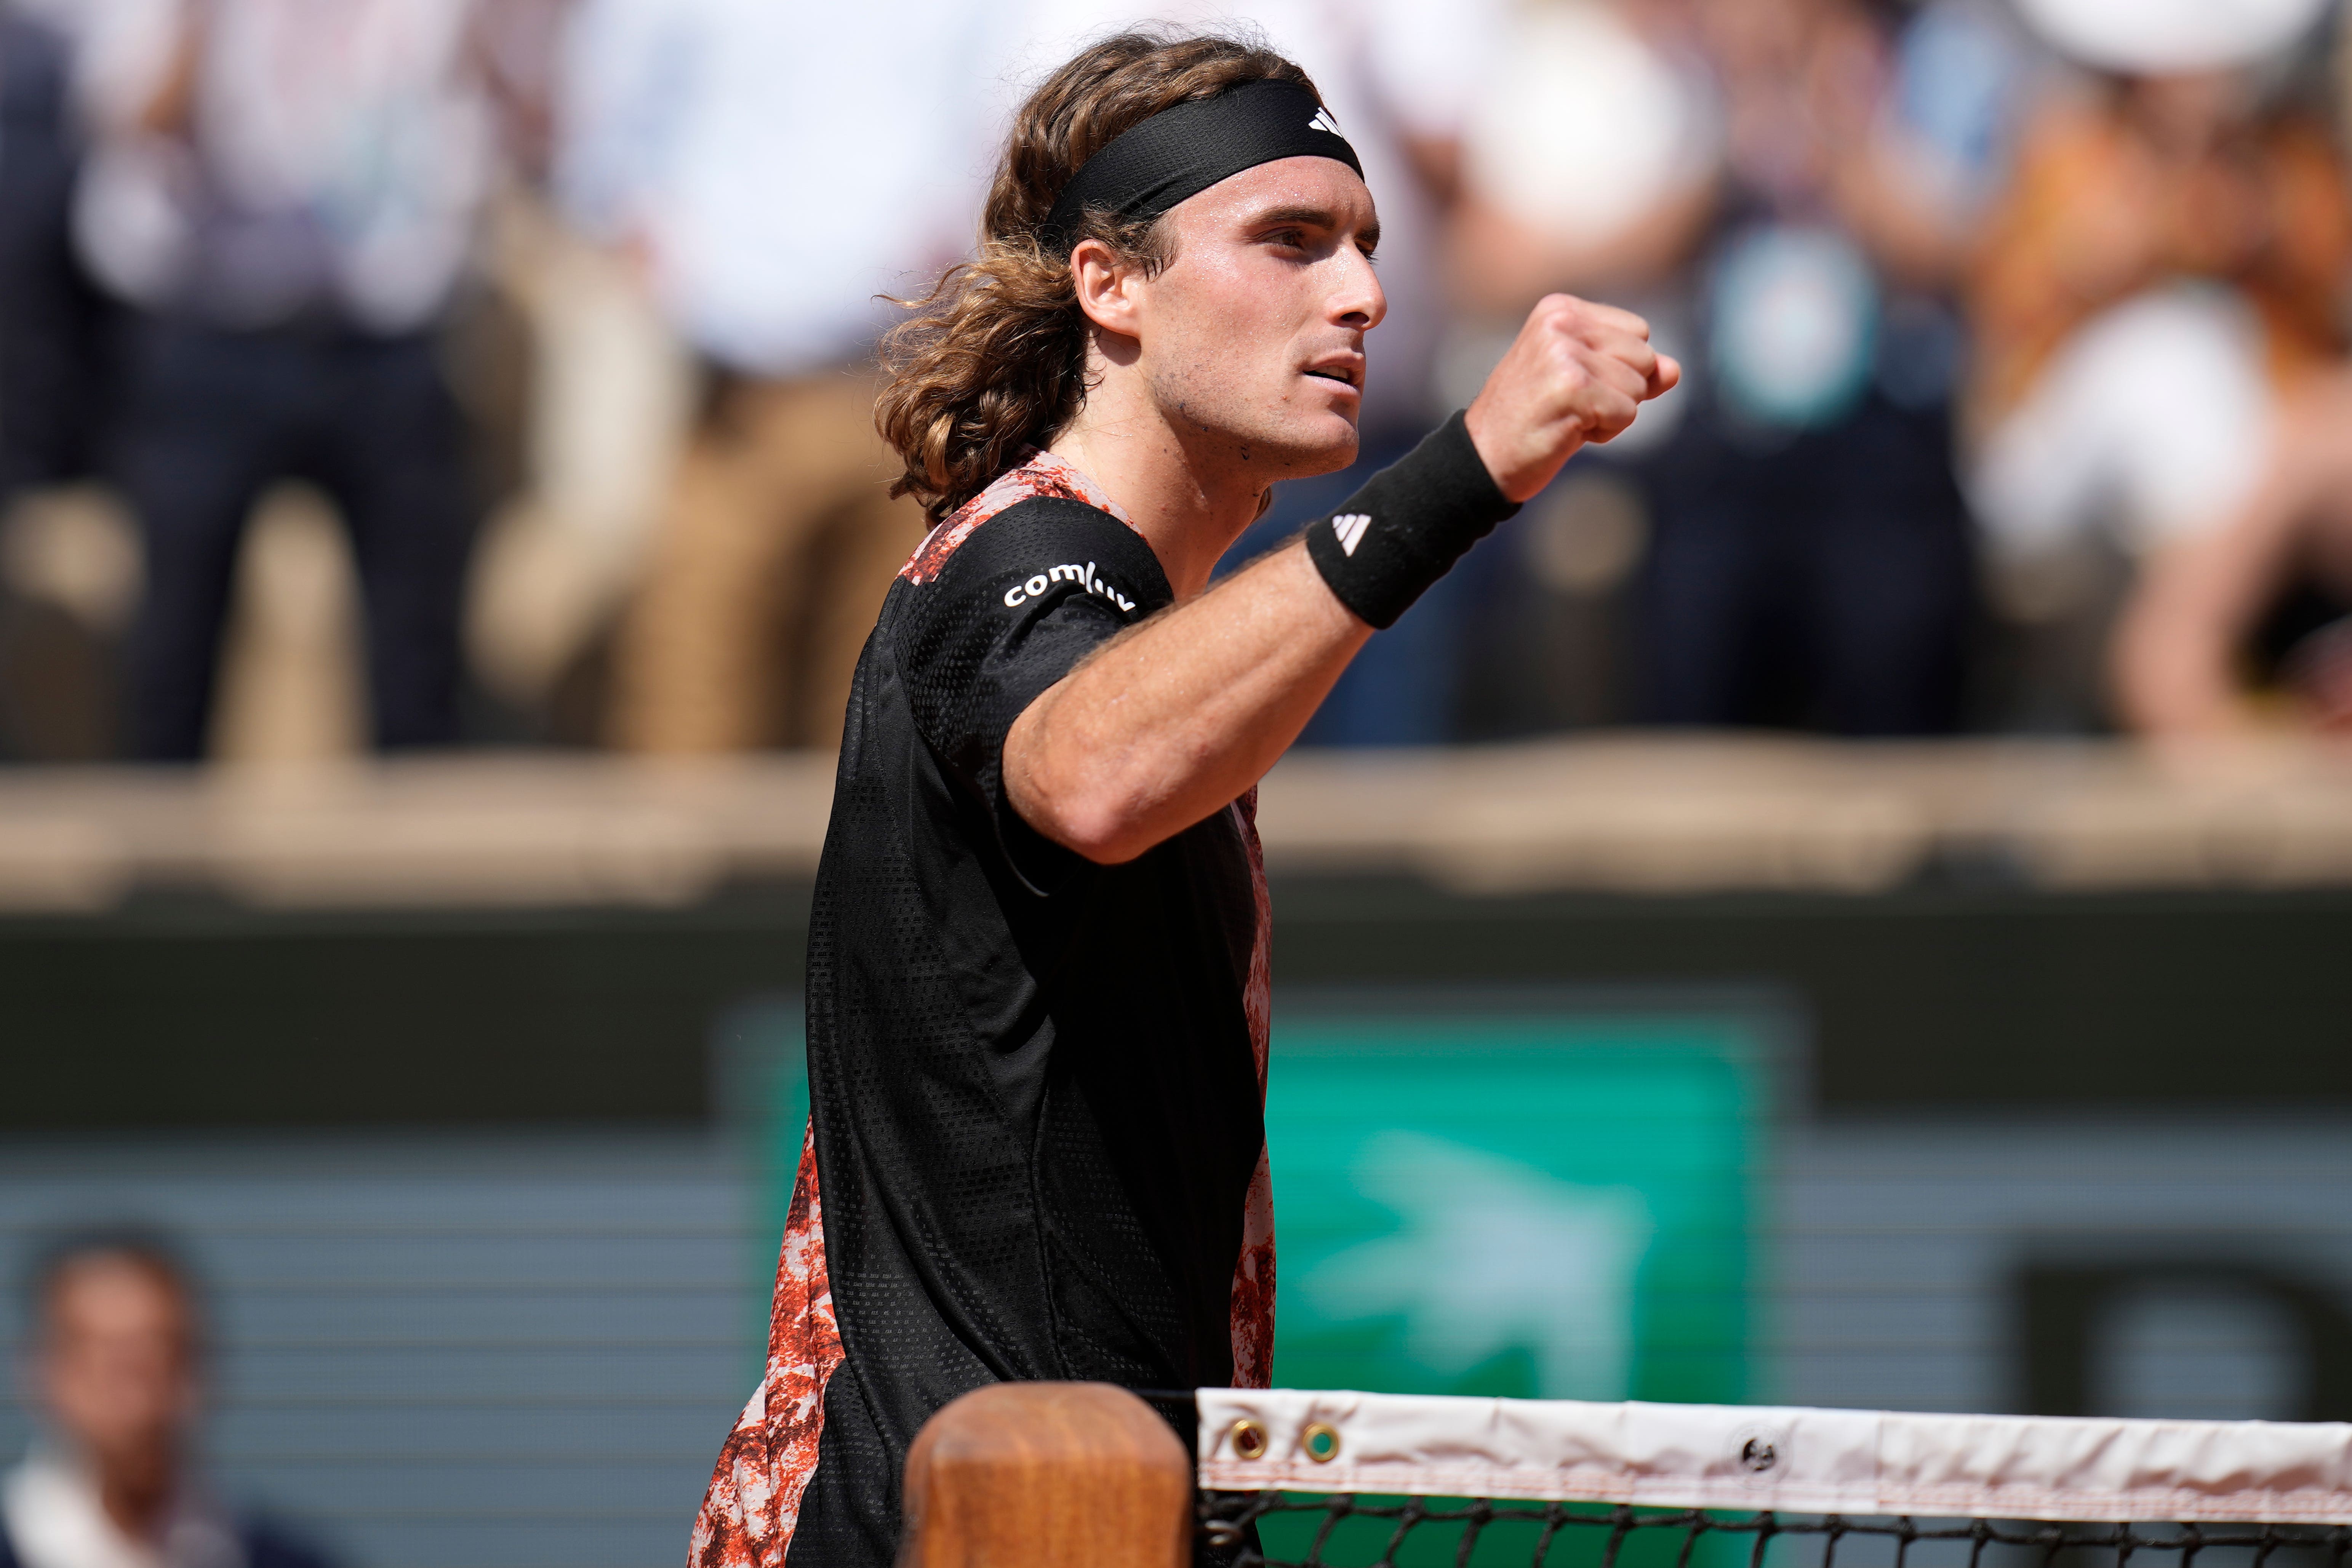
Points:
(1048, 1474)
(1658, 815)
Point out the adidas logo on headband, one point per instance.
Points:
(1323, 121)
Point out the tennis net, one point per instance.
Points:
(1062, 1474)
(1351, 1480)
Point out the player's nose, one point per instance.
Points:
(1358, 300)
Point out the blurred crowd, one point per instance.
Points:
(397, 374)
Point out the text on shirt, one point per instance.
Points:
(1082, 576)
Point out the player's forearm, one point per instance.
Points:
(1172, 721)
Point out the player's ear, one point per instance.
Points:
(1105, 287)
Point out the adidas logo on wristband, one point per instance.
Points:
(1433, 504)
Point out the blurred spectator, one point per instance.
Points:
(1791, 209)
(57, 634)
(114, 1366)
(2249, 625)
(518, 45)
(584, 392)
(772, 169)
(53, 324)
(609, 393)
(2176, 238)
(288, 192)
(1400, 77)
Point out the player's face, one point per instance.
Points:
(1254, 335)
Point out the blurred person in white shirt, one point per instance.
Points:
(2180, 236)
(286, 191)
(1402, 77)
(771, 170)
(114, 1368)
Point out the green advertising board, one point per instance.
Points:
(1539, 1205)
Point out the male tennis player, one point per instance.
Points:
(1037, 960)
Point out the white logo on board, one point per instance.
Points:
(1323, 121)
(1495, 1256)
(1349, 526)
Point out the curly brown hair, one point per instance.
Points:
(994, 359)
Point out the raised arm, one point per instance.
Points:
(1172, 721)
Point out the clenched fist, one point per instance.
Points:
(1577, 373)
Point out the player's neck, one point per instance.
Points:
(1189, 491)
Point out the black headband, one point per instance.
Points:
(1182, 151)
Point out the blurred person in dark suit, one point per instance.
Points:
(287, 193)
(60, 622)
(771, 170)
(53, 323)
(114, 1365)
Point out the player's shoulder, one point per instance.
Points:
(1044, 542)
(1059, 523)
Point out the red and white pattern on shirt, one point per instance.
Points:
(1040, 474)
(754, 1501)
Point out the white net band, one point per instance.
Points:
(1851, 1462)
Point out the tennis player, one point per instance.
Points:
(1037, 982)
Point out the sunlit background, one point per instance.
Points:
(1845, 900)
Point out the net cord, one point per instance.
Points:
(1771, 1460)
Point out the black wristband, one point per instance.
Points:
(1408, 526)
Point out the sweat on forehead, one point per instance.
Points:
(1182, 151)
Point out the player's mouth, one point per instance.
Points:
(1346, 375)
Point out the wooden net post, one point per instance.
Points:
(1048, 1474)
